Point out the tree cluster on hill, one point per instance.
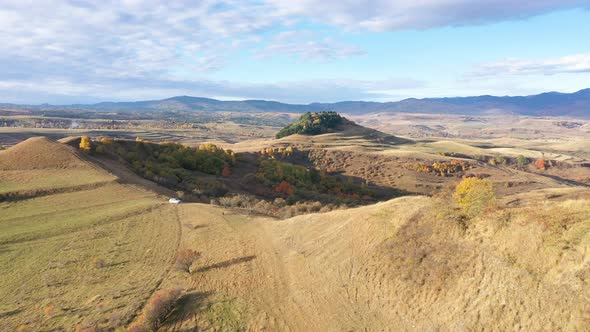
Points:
(313, 124)
(301, 183)
(173, 165)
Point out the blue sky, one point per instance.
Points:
(291, 51)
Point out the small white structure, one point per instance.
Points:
(174, 201)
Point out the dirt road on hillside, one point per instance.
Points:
(257, 274)
(385, 267)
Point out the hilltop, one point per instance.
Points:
(39, 153)
(315, 124)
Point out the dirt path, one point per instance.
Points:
(259, 274)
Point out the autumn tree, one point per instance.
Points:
(541, 164)
(473, 195)
(288, 151)
(85, 144)
(284, 188)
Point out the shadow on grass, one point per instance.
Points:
(227, 263)
(190, 304)
(10, 313)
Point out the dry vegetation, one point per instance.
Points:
(77, 257)
(406, 264)
(502, 242)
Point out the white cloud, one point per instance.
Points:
(129, 49)
(388, 15)
(579, 63)
(307, 46)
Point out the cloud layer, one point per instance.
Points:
(569, 64)
(387, 15)
(86, 49)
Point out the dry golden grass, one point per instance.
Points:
(95, 256)
(394, 266)
(87, 257)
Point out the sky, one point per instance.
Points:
(294, 51)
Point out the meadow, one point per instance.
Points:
(79, 258)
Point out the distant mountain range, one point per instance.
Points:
(546, 104)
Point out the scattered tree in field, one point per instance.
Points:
(521, 161)
(473, 195)
(541, 164)
(139, 139)
(499, 160)
(159, 307)
(185, 259)
(85, 144)
(443, 168)
(98, 263)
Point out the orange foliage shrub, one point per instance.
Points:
(285, 188)
(541, 164)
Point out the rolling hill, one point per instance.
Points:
(96, 246)
(546, 104)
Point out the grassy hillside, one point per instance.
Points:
(401, 265)
(39, 165)
(74, 255)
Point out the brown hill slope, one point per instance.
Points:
(393, 266)
(40, 166)
(39, 153)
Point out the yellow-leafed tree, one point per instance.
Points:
(473, 195)
(85, 144)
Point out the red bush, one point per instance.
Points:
(285, 188)
(541, 164)
(159, 307)
(225, 172)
